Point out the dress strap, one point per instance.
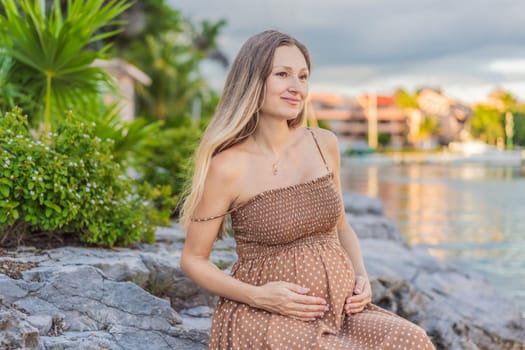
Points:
(319, 148)
(208, 218)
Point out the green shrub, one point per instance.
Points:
(67, 182)
(169, 159)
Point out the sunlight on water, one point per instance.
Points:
(470, 215)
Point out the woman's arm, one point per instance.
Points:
(279, 297)
(362, 293)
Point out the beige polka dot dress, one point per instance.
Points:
(289, 234)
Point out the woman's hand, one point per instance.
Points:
(290, 300)
(361, 297)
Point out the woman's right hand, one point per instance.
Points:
(289, 299)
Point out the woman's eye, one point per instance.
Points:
(304, 77)
(282, 74)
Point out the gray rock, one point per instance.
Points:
(16, 332)
(41, 322)
(358, 204)
(79, 307)
(199, 311)
(376, 227)
(100, 299)
(460, 310)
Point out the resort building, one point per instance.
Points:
(353, 119)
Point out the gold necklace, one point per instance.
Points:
(275, 163)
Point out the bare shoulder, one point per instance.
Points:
(223, 165)
(226, 168)
(327, 140)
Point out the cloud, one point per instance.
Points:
(411, 42)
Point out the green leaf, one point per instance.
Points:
(4, 190)
(53, 206)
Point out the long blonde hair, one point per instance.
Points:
(237, 113)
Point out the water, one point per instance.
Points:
(469, 215)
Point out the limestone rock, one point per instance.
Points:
(15, 331)
(458, 309)
(358, 204)
(86, 298)
(376, 227)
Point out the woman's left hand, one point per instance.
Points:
(361, 296)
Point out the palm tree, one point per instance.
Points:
(408, 103)
(50, 51)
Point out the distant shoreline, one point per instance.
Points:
(506, 158)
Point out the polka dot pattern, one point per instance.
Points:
(289, 234)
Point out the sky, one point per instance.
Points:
(467, 48)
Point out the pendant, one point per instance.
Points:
(275, 169)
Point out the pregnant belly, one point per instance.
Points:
(321, 266)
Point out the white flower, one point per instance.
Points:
(32, 193)
(40, 179)
(34, 178)
(36, 172)
(87, 189)
(93, 202)
(29, 158)
(30, 146)
(6, 165)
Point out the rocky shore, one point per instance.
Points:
(137, 298)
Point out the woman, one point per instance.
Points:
(300, 281)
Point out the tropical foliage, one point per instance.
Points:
(486, 124)
(51, 61)
(66, 182)
(170, 49)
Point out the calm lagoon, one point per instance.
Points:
(469, 215)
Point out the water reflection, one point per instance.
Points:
(471, 214)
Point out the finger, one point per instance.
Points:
(355, 309)
(356, 306)
(297, 288)
(357, 298)
(359, 285)
(309, 308)
(309, 300)
(356, 303)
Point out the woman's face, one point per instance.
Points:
(286, 87)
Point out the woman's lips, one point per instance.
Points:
(291, 101)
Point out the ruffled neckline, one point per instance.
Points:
(271, 191)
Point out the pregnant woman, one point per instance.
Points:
(300, 281)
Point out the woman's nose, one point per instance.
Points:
(296, 85)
